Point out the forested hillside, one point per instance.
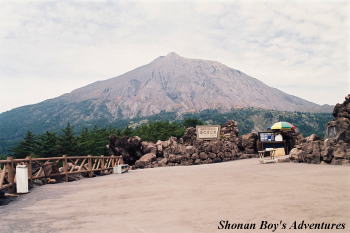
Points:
(91, 137)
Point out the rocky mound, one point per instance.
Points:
(188, 150)
(335, 148)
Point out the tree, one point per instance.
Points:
(28, 146)
(100, 140)
(83, 142)
(192, 122)
(67, 141)
(268, 115)
(127, 131)
(160, 130)
(48, 145)
(94, 141)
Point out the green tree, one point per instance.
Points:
(160, 130)
(94, 141)
(83, 142)
(67, 141)
(28, 146)
(100, 140)
(127, 132)
(268, 115)
(48, 145)
(192, 122)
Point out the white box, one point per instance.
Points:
(119, 169)
(22, 178)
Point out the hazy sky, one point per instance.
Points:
(48, 48)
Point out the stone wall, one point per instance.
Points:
(335, 148)
(190, 151)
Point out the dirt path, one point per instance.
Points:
(187, 199)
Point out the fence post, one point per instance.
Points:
(112, 162)
(102, 164)
(90, 165)
(11, 175)
(30, 168)
(65, 167)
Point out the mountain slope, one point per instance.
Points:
(174, 83)
(169, 83)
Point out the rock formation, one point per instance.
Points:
(335, 148)
(131, 148)
(188, 150)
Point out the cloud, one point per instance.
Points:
(300, 47)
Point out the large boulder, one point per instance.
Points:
(174, 158)
(248, 143)
(145, 160)
(130, 148)
(230, 128)
(342, 110)
(162, 162)
(190, 135)
(149, 147)
(190, 150)
(335, 148)
(203, 156)
(148, 157)
(296, 154)
(312, 137)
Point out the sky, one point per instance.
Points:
(48, 48)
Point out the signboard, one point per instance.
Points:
(208, 132)
(266, 136)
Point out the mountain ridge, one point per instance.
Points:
(171, 76)
(163, 65)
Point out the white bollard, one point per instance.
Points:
(22, 178)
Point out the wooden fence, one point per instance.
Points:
(55, 167)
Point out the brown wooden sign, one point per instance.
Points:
(208, 132)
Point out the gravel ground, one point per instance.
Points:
(188, 199)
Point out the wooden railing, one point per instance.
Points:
(55, 167)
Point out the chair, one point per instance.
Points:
(271, 158)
